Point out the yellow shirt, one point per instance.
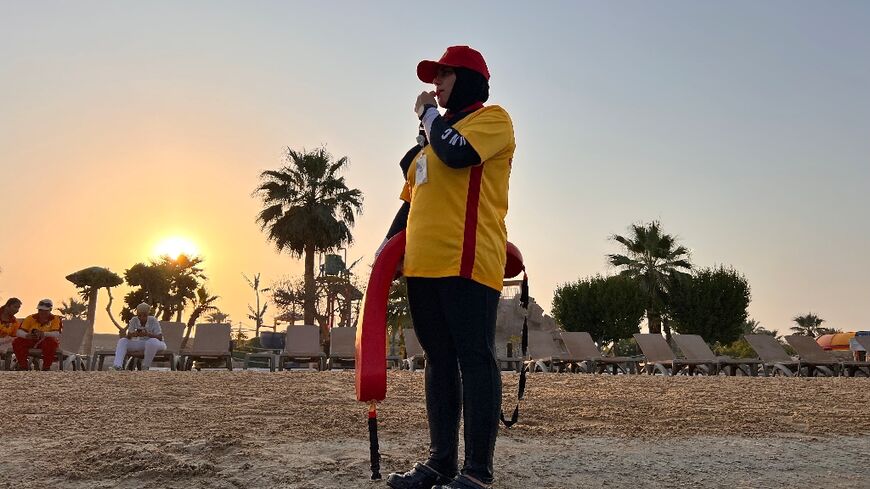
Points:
(30, 323)
(8, 328)
(456, 222)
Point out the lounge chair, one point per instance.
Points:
(583, 352)
(776, 359)
(342, 348)
(659, 357)
(415, 357)
(211, 342)
(511, 361)
(173, 335)
(864, 341)
(70, 340)
(693, 346)
(815, 358)
(8, 355)
(545, 354)
(302, 345)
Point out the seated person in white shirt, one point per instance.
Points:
(143, 335)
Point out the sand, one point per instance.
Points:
(305, 430)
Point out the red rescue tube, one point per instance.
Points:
(371, 330)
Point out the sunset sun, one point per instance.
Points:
(175, 246)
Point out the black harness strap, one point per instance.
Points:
(521, 388)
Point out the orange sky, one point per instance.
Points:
(744, 131)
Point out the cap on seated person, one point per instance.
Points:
(45, 305)
(143, 308)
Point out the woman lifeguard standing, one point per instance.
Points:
(455, 203)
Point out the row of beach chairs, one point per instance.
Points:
(548, 351)
(211, 345)
(577, 352)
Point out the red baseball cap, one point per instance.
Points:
(455, 57)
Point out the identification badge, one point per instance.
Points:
(422, 174)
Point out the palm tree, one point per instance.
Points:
(811, 325)
(652, 259)
(308, 208)
(203, 302)
(259, 313)
(751, 326)
(398, 312)
(74, 309)
(218, 317)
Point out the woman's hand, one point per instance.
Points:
(425, 98)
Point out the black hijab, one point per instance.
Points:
(469, 88)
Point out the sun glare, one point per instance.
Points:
(176, 246)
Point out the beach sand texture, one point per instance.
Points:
(305, 430)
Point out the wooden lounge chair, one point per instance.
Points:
(693, 346)
(660, 358)
(583, 352)
(415, 357)
(211, 342)
(545, 354)
(342, 348)
(817, 359)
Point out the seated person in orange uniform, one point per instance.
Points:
(8, 322)
(40, 330)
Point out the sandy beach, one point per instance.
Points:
(305, 430)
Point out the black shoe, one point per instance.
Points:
(462, 482)
(420, 477)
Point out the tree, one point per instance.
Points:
(652, 259)
(167, 284)
(751, 326)
(218, 317)
(711, 303)
(398, 312)
(289, 296)
(203, 302)
(811, 325)
(259, 313)
(332, 295)
(74, 309)
(308, 208)
(240, 336)
(609, 309)
(741, 348)
(89, 281)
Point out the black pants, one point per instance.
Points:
(454, 319)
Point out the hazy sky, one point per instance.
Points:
(743, 126)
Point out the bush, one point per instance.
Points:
(609, 308)
(711, 303)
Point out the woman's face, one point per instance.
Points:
(444, 81)
(13, 308)
(143, 316)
